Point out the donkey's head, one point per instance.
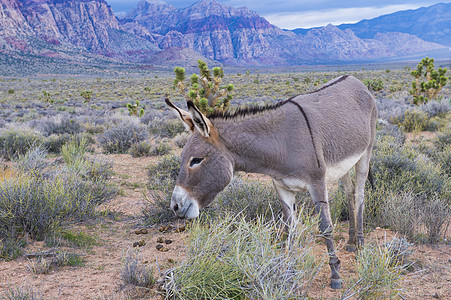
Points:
(206, 168)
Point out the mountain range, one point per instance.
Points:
(158, 33)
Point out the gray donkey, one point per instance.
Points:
(304, 142)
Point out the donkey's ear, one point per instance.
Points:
(201, 122)
(184, 116)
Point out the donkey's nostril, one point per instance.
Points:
(176, 207)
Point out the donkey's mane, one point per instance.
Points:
(244, 111)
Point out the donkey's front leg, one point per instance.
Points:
(318, 192)
(288, 199)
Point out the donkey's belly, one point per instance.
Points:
(336, 171)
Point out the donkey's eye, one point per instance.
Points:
(195, 161)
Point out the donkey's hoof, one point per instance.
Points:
(351, 248)
(335, 284)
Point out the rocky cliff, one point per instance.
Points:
(67, 25)
(66, 28)
(239, 35)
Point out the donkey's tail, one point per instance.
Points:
(370, 177)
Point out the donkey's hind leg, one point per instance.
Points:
(361, 173)
(351, 246)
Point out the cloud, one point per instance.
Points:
(308, 19)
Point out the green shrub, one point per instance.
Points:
(36, 206)
(14, 143)
(120, 138)
(140, 149)
(63, 125)
(414, 120)
(252, 199)
(166, 128)
(160, 148)
(181, 139)
(379, 274)
(405, 183)
(34, 161)
(54, 143)
(374, 85)
(21, 293)
(231, 258)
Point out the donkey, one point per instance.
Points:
(304, 142)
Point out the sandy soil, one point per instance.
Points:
(100, 276)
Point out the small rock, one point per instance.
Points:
(168, 242)
(135, 244)
(160, 240)
(436, 296)
(170, 260)
(164, 249)
(159, 247)
(181, 229)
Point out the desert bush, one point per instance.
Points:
(14, 143)
(61, 125)
(443, 158)
(134, 272)
(407, 182)
(384, 129)
(34, 161)
(390, 109)
(399, 249)
(379, 275)
(151, 115)
(181, 139)
(437, 108)
(162, 177)
(140, 149)
(54, 143)
(68, 238)
(21, 293)
(442, 140)
(160, 147)
(168, 128)
(74, 150)
(37, 206)
(400, 213)
(120, 138)
(40, 265)
(252, 199)
(231, 258)
(413, 120)
(435, 215)
(374, 85)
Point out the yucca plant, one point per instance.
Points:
(205, 90)
(428, 82)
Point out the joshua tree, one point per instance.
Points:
(205, 89)
(87, 95)
(134, 109)
(428, 82)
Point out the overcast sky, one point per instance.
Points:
(290, 14)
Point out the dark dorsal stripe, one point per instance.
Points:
(308, 126)
(253, 110)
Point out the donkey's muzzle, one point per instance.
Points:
(183, 205)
